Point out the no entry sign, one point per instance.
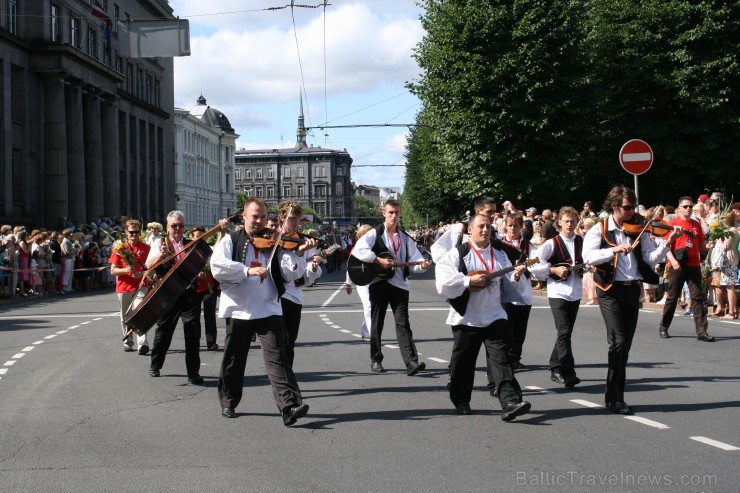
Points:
(636, 156)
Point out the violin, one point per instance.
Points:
(655, 228)
(268, 238)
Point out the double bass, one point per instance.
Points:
(144, 314)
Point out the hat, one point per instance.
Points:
(506, 202)
(703, 198)
(532, 210)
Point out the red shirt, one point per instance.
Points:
(694, 258)
(126, 283)
(207, 284)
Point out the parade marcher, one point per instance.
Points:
(363, 292)
(685, 260)
(68, 257)
(618, 269)
(289, 216)
(207, 289)
(186, 306)
(127, 265)
(561, 263)
(477, 317)
(384, 239)
(457, 234)
(251, 286)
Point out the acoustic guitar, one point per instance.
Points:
(363, 273)
(490, 276)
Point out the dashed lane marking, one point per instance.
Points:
(539, 389)
(18, 355)
(649, 422)
(52, 336)
(330, 298)
(38, 342)
(84, 323)
(28, 348)
(715, 443)
(585, 403)
(391, 346)
(63, 331)
(333, 326)
(75, 326)
(346, 331)
(438, 360)
(3, 371)
(356, 335)
(9, 362)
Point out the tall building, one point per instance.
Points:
(84, 132)
(204, 164)
(314, 176)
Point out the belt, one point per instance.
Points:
(627, 283)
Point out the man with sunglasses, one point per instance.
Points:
(618, 269)
(186, 306)
(128, 278)
(685, 262)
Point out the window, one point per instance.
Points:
(339, 210)
(338, 189)
(270, 191)
(258, 192)
(16, 95)
(286, 191)
(259, 173)
(130, 78)
(286, 171)
(248, 174)
(300, 172)
(320, 190)
(299, 191)
(157, 93)
(237, 174)
(74, 32)
(270, 172)
(319, 171)
(149, 89)
(140, 83)
(116, 16)
(55, 33)
(340, 171)
(13, 16)
(92, 42)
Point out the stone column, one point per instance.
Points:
(75, 155)
(56, 204)
(93, 156)
(111, 190)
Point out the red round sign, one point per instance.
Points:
(636, 156)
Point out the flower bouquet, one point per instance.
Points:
(123, 249)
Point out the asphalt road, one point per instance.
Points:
(79, 414)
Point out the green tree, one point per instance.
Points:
(364, 207)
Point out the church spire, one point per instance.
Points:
(301, 134)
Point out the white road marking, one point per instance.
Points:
(438, 360)
(75, 326)
(539, 389)
(333, 295)
(336, 326)
(96, 319)
(648, 422)
(28, 348)
(356, 335)
(38, 342)
(346, 331)
(84, 323)
(391, 346)
(585, 403)
(9, 362)
(63, 331)
(3, 371)
(361, 311)
(50, 337)
(18, 355)
(715, 443)
(55, 316)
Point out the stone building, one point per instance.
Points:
(84, 132)
(314, 176)
(204, 164)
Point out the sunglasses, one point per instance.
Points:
(687, 206)
(134, 232)
(628, 207)
(178, 225)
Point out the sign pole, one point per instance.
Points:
(637, 192)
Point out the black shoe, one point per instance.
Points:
(619, 407)
(292, 414)
(143, 350)
(414, 367)
(493, 390)
(557, 377)
(213, 347)
(376, 367)
(228, 412)
(664, 334)
(514, 409)
(463, 409)
(517, 366)
(572, 381)
(129, 348)
(153, 372)
(195, 379)
(705, 337)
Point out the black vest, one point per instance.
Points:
(560, 254)
(604, 273)
(380, 246)
(240, 240)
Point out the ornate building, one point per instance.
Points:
(84, 132)
(204, 157)
(314, 176)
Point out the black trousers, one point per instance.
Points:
(271, 332)
(467, 343)
(676, 279)
(518, 319)
(292, 321)
(209, 301)
(382, 294)
(187, 306)
(619, 307)
(564, 313)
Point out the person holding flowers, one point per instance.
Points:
(723, 261)
(127, 264)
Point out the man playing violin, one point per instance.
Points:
(252, 281)
(388, 237)
(685, 260)
(620, 263)
(289, 216)
(478, 318)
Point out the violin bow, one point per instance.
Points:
(274, 249)
(647, 223)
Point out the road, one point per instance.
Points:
(79, 414)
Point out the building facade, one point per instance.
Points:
(84, 132)
(204, 164)
(316, 177)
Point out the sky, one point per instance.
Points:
(352, 57)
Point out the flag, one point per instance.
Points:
(100, 13)
(107, 42)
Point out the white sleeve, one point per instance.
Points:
(363, 248)
(292, 266)
(450, 282)
(542, 269)
(593, 254)
(222, 267)
(414, 255)
(446, 242)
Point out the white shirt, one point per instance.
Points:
(627, 264)
(243, 296)
(484, 306)
(570, 289)
(528, 291)
(295, 293)
(363, 251)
